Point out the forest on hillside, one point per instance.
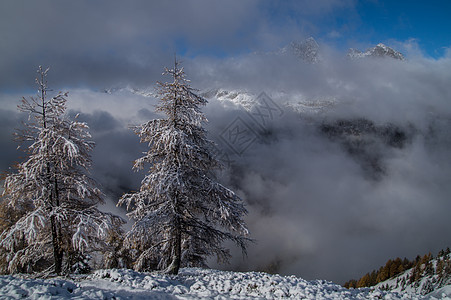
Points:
(426, 265)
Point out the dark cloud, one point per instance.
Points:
(117, 146)
(105, 42)
(9, 122)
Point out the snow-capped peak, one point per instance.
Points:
(235, 97)
(380, 50)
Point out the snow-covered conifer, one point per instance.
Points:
(182, 214)
(52, 189)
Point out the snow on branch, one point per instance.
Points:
(51, 188)
(180, 211)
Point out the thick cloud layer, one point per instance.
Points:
(106, 42)
(316, 207)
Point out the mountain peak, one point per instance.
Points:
(380, 50)
(306, 50)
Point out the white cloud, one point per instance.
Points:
(334, 34)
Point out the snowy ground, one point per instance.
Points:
(189, 284)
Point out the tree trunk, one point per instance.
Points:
(57, 251)
(176, 250)
(57, 235)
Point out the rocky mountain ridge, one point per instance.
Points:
(379, 51)
(309, 51)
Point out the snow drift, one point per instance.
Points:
(191, 283)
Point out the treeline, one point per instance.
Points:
(421, 266)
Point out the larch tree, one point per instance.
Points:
(52, 190)
(182, 214)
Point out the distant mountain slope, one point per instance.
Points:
(307, 50)
(368, 143)
(424, 275)
(247, 100)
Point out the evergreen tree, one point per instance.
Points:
(415, 274)
(181, 213)
(8, 217)
(447, 266)
(440, 268)
(406, 264)
(56, 198)
(365, 281)
(351, 284)
(373, 278)
(384, 272)
(116, 256)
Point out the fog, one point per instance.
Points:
(316, 208)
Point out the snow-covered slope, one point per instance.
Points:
(432, 277)
(241, 98)
(147, 92)
(191, 283)
(298, 103)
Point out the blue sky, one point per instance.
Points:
(368, 22)
(345, 24)
(427, 22)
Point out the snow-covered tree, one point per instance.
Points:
(57, 200)
(182, 214)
